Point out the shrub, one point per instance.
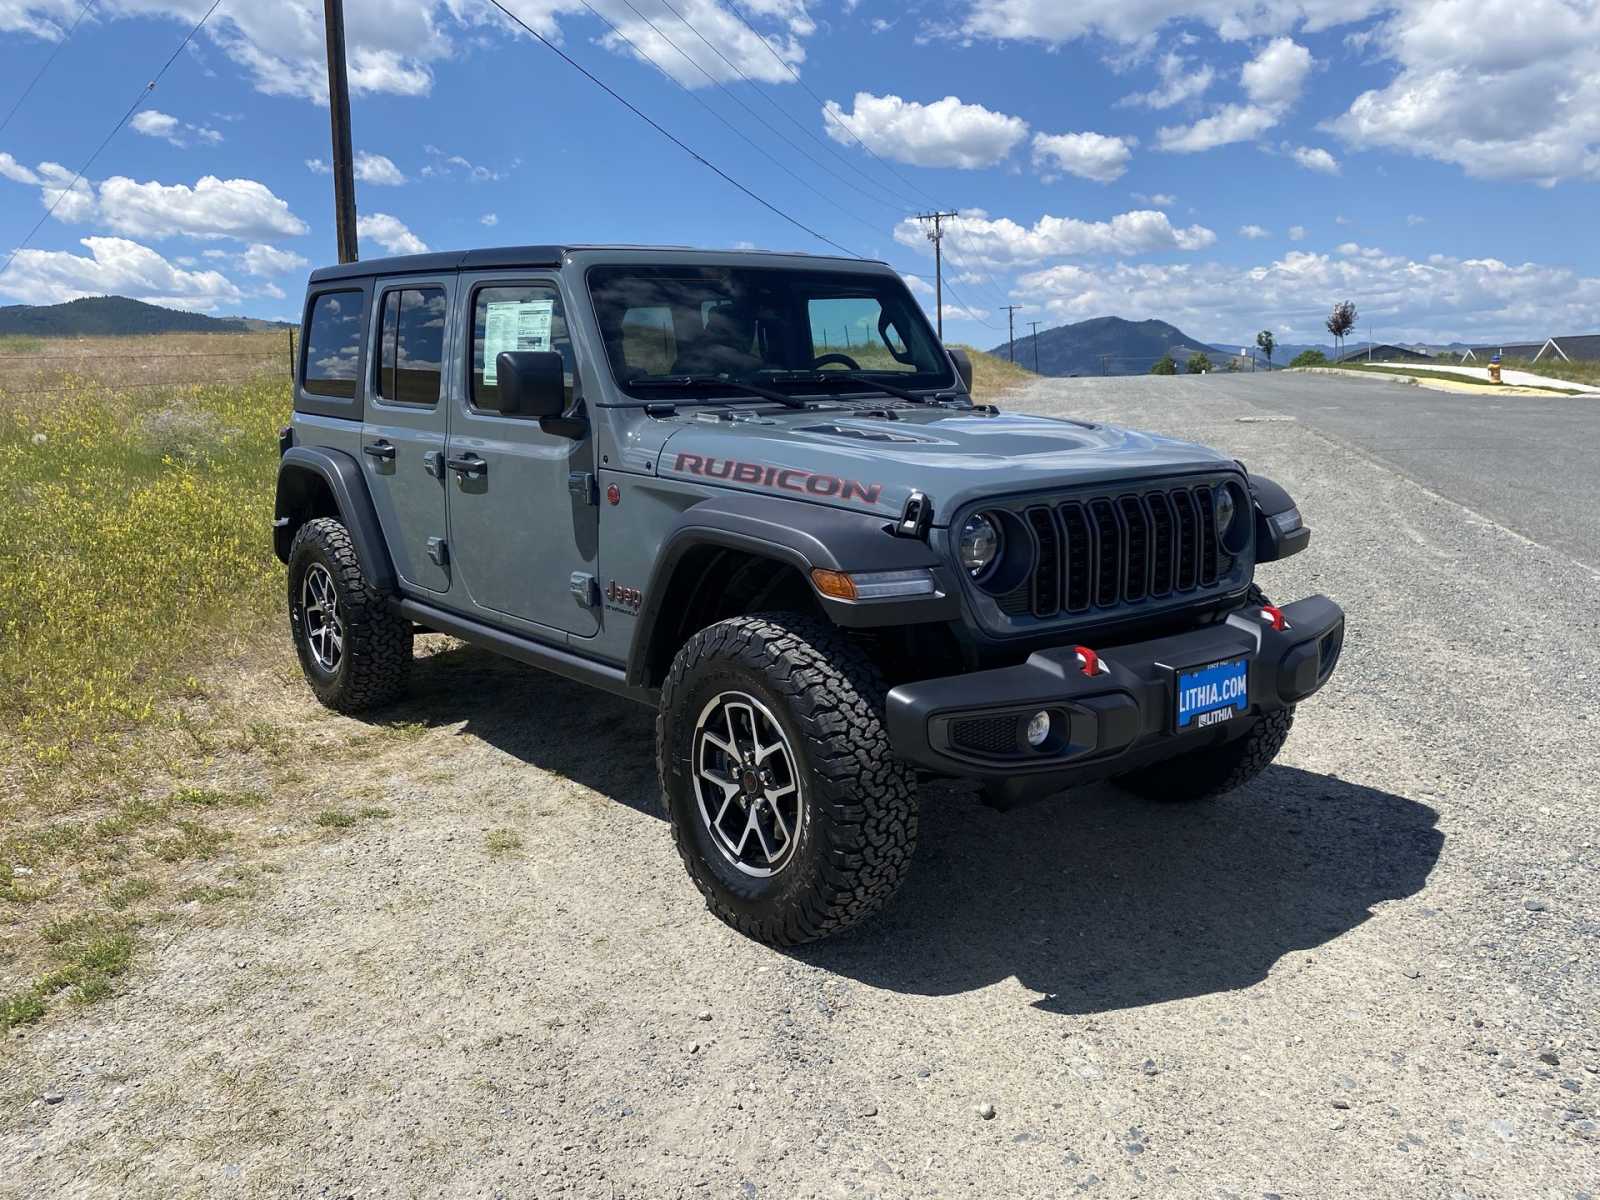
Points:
(1199, 364)
(1310, 358)
(1165, 366)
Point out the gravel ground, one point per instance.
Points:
(1371, 974)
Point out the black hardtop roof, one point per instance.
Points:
(541, 256)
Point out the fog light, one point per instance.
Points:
(1038, 729)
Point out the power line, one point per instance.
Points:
(59, 47)
(144, 92)
(826, 111)
(762, 150)
(699, 158)
(893, 201)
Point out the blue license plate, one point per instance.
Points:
(1211, 695)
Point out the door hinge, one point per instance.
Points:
(583, 485)
(438, 551)
(585, 589)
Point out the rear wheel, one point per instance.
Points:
(787, 808)
(355, 653)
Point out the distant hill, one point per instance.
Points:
(108, 316)
(1105, 345)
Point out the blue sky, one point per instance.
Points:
(1228, 165)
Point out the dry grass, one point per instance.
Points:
(994, 377)
(1573, 372)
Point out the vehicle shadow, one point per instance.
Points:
(1096, 899)
(1102, 901)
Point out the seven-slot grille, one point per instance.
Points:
(1106, 551)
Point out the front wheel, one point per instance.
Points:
(789, 811)
(355, 652)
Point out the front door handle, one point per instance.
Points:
(468, 464)
(383, 450)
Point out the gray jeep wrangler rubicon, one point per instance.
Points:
(753, 491)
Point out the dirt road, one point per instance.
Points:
(1371, 974)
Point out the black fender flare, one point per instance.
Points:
(805, 537)
(342, 475)
(1271, 499)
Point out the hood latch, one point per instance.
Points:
(915, 518)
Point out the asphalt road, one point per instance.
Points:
(1531, 464)
(1370, 973)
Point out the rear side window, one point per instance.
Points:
(333, 344)
(411, 345)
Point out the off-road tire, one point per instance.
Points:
(1215, 771)
(376, 656)
(859, 817)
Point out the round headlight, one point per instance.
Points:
(979, 544)
(1227, 510)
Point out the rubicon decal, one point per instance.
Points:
(788, 479)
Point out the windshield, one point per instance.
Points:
(758, 324)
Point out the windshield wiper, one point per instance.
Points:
(860, 378)
(694, 381)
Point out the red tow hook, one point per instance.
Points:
(1091, 661)
(1273, 615)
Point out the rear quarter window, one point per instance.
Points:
(333, 345)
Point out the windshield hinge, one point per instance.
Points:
(915, 518)
(583, 485)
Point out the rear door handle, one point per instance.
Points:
(384, 450)
(467, 464)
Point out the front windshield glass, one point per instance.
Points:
(760, 325)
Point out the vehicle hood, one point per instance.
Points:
(874, 462)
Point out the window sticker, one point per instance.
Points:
(514, 325)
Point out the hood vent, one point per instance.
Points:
(863, 435)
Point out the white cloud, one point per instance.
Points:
(1252, 231)
(1181, 80)
(1095, 156)
(1272, 80)
(212, 208)
(977, 238)
(376, 169)
(946, 133)
(1413, 219)
(118, 267)
(1275, 77)
(1505, 89)
(234, 208)
(489, 219)
(368, 168)
(1297, 233)
(918, 285)
(442, 164)
(12, 169)
(1315, 158)
(1057, 21)
(261, 259)
(1230, 123)
(688, 59)
(154, 123)
(1439, 298)
(1157, 200)
(390, 233)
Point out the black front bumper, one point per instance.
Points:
(1124, 717)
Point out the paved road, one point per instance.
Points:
(1371, 973)
(1531, 464)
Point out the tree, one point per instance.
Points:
(1342, 322)
(1310, 358)
(1164, 366)
(1199, 364)
(1265, 340)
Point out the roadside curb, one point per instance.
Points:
(1549, 385)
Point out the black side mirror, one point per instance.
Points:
(963, 366)
(533, 383)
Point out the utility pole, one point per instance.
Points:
(1011, 330)
(1035, 325)
(936, 237)
(344, 177)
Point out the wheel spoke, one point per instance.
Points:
(777, 819)
(727, 748)
(761, 837)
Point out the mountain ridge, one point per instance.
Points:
(113, 316)
(1105, 346)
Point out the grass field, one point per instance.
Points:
(150, 710)
(1575, 372)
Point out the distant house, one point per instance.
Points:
(1483, 354)
(1386, 354)
(1582, 348)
